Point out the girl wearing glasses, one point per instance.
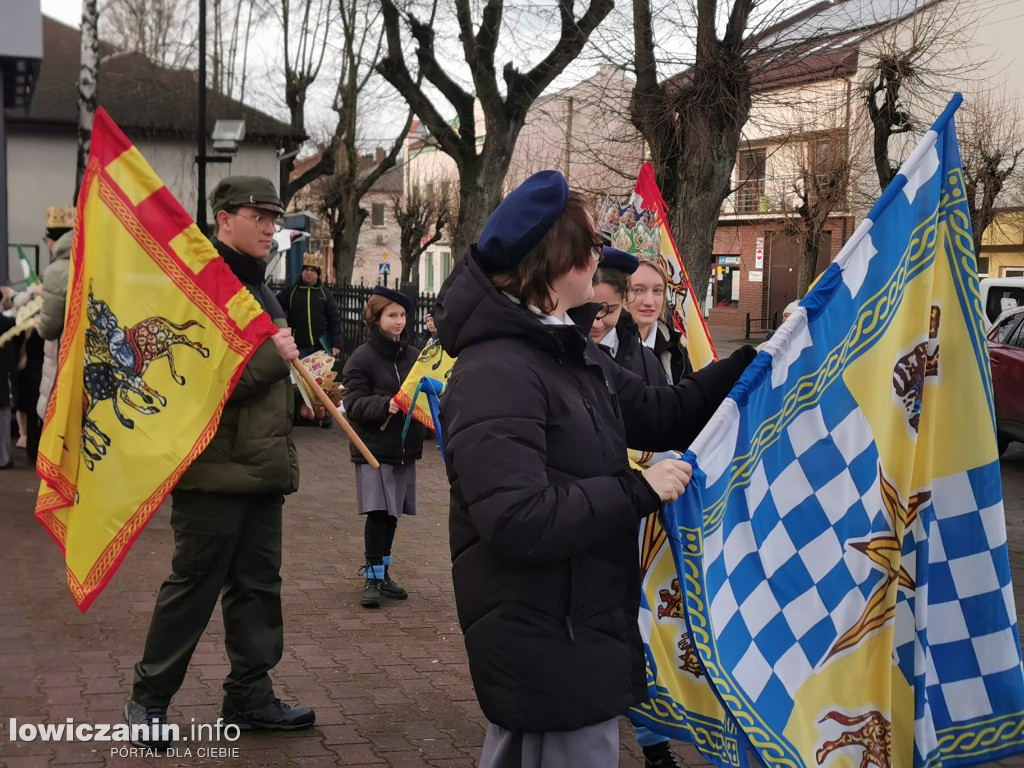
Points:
(614, 330)
(648, 290)
(544, 506)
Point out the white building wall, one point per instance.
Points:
(41, 172)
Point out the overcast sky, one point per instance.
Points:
(68, 11)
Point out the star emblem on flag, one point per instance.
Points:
(884, 550)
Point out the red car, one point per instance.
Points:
(1006, 350)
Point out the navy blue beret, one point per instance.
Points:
(613, 258)
(396, 296)
(522, 219)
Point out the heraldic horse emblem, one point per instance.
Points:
(115, 367)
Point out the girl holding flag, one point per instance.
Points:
(372, 376)
(544, 505)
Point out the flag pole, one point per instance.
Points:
(300, 369)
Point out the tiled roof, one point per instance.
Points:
(143, 98)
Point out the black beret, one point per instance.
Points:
(613, 258)
(395, 296)
(521, 220)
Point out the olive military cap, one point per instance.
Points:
(235, 191)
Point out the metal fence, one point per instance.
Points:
(351, 300)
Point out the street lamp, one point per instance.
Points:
(227, 134)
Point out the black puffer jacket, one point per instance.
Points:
(372, 376)
(544, 508)
(312, 312)
(671, 356)
(634, 356)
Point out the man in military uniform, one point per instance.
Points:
(226, 510)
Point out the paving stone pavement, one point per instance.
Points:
(390, 687)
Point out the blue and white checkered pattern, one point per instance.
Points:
(970, 641)
(785, 585)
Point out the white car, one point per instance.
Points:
(999, 294)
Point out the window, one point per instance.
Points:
(982, 266)
(377, 215)
(1007, 271)
(1008, 327)
(828, 166)
(446, 265)
(750, 170)
(1002, 298)
(1018, 338)
(430, 190)
(726, 274)
(446, 188)
(428, 260)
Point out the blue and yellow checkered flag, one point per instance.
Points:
(842, 548)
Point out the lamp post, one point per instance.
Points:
(226, 133)
(201, 123)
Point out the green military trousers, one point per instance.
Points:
(226, 545)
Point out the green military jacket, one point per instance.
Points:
(252, 451)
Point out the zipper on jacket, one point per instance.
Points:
(614, 397)
(309, 316)
(593, 415)
(568, 605)
(401, 443)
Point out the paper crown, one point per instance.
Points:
(313, 259)
(60, 218)
(630, 230)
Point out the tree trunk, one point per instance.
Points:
(810, 237)
(480, 192)
(346, 238)
(410, 275)
(87, 78)
(693, 169)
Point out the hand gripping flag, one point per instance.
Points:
(158, 332)
(842, 548)
(433, 363)
(680, 703)
(641, 228)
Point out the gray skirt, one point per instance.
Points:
(391, 487)
(594, 746)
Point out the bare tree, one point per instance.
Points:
(692, 123)
(351, 174)
(422, 221)
(164, 31)
(482, 169)
(910, 71)
(87, 78)
(306, 25)
(991, 145)
(818, 192)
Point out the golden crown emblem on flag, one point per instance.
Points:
(60, 217)
(630, 230)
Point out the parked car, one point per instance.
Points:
(1006, 351)
(999, 294)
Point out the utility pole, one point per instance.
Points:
(201, 123)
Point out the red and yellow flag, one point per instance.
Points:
(157, 333)
(433, 363)
(685, 309)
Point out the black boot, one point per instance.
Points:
(389, 588)
(371, 591)
(659, 756)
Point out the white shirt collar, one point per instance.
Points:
(550, 319)
(611, 340)
(649, 341)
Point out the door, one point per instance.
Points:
(783, 269)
